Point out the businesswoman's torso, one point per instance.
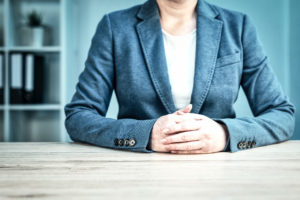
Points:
(141, 73)
(127, 56)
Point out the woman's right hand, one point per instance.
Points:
(179, 121)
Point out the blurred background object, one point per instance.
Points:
(51, 38)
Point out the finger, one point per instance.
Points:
(179, 112)
(187, 146)
(184, 117)
(187, 109)
(183, 137)
(188, 125)
(189, 152)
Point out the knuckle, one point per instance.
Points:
(167, 148)
(172, 147)
(194, 136)
(184, 126)
(175, 147)
(207, 136)
(189, 147)
(197, 124)
(165, 118)
(169, 140)
(183, 137)
(178, 127)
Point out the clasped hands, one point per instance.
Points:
(183, 132)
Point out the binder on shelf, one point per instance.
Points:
(29, 78)
(1, 78)
(33, 78)
(16, 78)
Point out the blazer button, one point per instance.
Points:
(116, 141)
(121, 142)
(126, 143)
(240, 145)
(132, 142)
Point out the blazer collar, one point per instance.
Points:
(208, 40)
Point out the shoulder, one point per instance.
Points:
(231, 19)
(124, 16)
(227, 14)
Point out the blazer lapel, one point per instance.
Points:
(209, 32)
(150, 35)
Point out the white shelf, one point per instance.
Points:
(35, 107)
(1, 23)
(46, 49)
(35, 122)
(34, 126)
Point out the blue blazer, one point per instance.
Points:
(127, 56)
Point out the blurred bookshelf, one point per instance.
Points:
(41, 120)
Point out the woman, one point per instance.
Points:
(160, 57)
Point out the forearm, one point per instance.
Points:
(268, 128)
(90, 127)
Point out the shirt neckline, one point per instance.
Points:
(179, 36)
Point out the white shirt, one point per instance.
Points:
(180, 53)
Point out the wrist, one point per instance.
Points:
(224, 127)
(226, 133)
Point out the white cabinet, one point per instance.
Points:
(42, 121)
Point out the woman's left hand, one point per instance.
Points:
(210, 138)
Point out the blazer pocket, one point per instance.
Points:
(228, 60)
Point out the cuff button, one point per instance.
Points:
(121, 142)
(132, 142)
(116, 141)
(240, 145)
(126, 143)
(244, 145)
(249, 145)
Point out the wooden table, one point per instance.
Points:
(79, 171)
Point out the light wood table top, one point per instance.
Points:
(80, 171)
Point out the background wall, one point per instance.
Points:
(295, 60)
(277, 23)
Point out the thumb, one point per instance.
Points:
(187, 109)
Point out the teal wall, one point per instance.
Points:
(295, 60)
(277, 23)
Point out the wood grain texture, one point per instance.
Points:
(80, 171)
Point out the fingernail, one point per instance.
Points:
(163, 140)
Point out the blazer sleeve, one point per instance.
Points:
(85, 115)
(273, 120)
